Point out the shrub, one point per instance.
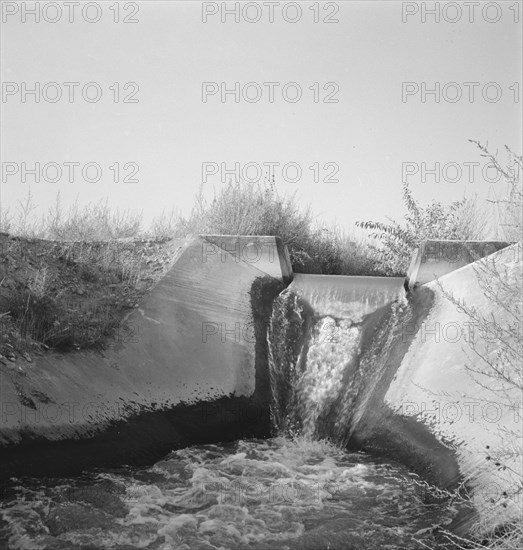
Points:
(253, 209)
(396, 241)
(92, 222)
(258, 209)
(168, 225)
(22, 222)
(508, 208)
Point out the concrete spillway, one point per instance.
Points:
(192, 368)
(223, 344)
(368, 293)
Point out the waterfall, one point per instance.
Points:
(327, 342)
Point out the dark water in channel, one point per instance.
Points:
(294, 491)
(271, 494)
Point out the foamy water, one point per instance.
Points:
(264, 494)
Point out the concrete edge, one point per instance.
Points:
(145, 433)
(435, 253)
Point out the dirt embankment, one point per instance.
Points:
(72, 295)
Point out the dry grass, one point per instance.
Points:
(73, 295)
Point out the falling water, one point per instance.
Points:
(319, 349)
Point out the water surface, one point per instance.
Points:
(260, 494)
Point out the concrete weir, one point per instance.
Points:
(194, 367)
(191, 368)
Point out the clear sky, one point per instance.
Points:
(375, 127)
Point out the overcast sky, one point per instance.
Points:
(373, 124)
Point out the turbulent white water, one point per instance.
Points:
(315, 343)
(271, 494)
(312, 377)
(295, 491)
